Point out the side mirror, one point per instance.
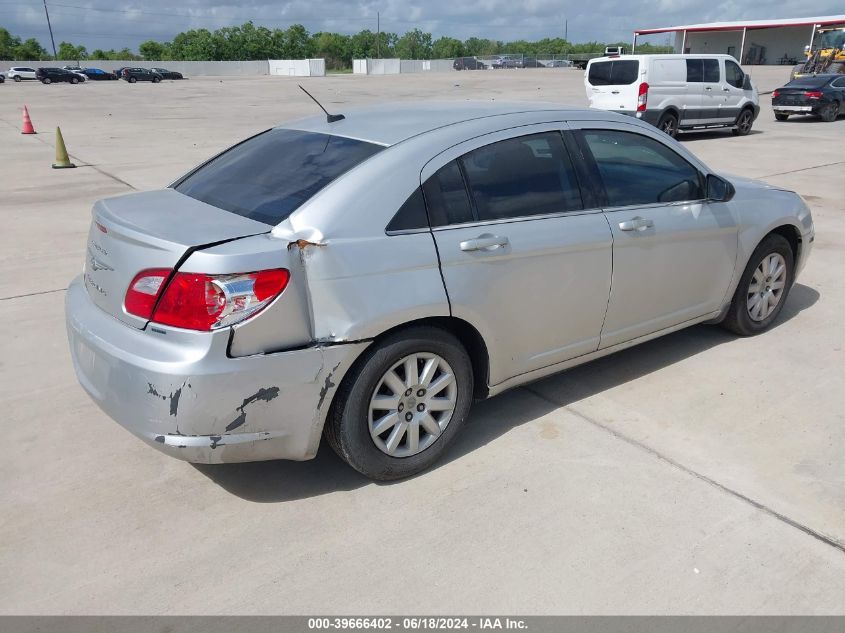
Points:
(746, 83)
(719, 189)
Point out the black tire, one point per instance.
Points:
(46, 80)
(347, 427)
(132, 80)
(738, 319)
(668, 124)
(17, 77)
(830, 112)
(74, 80)
(156, 80)
(744, 123)
(781, 117)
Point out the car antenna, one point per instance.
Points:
(330, 118)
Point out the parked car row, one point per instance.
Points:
(77, 74)
(507, 61)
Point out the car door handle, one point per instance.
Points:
(614, 92)
(708, 88)
(726, 89)
(484, 242)
(636, 224)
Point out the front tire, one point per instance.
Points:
(668, 124)
(132, 80)
(744, 122)
(763, 287)
(781, 117)
(156, 80)
(74, 80)
(17, 78)
(46, 80)
(402, 403)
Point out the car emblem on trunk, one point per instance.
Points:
(98, 264)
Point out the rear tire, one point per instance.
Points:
(830, 112)
(46, 80)
(744, 122)
(781, 117)
(404, 447)
(762, 282)
(132, 80)
(668, 124)
(156, 80)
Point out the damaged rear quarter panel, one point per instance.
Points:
(361, 281)
(286, 322)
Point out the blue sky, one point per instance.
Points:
(117, 23)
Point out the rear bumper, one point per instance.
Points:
(183, 395)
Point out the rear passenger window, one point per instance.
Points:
(518, 177)
(711, 71)
(636, 169)
(446, 197)
(411, 215)
(695, 72)
(703, 70)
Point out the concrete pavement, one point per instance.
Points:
(695, 474)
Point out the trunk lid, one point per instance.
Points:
(155, 229)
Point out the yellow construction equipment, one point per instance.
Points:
(826, 54)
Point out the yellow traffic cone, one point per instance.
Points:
(62, 159)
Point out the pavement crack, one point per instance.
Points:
(33, 294)
(824, 538)
(795, 171)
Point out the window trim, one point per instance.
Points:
(599, 183)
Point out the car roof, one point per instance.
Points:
(396, 122)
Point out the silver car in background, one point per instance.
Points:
(367, 278)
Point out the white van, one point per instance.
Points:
(675, 92)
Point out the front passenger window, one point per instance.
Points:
(637, 169)
(733, 74)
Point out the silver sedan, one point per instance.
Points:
(366, 278)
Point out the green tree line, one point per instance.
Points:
(248, 42)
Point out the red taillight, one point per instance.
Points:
(813, 94)
(775, 94)
(197, 301)
(144, 291)
(642, 97)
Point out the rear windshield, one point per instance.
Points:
(268, 177)
(808, 82)
(614, 73)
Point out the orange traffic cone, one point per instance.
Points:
(62, 159)
(27, 123)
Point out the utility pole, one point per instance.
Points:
(378, 35)
(52, 41)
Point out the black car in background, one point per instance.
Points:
(52, 75)
(822, 95)
(468, 63)
(139, 74)
(97, 74)
(167, 74)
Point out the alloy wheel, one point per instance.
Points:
(744, 123)
(412, 404)
(766, 287)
